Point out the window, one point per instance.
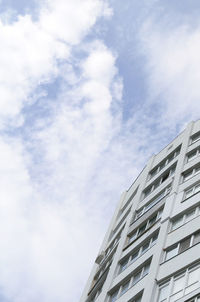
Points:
(125, 287)
(137, 275)
(136, 253)
(192, 190)
(145, 247)
(191, 172)
(146, 269)
(184, 218)
(136, 299)
(159, 181)
(193, 154)
(195, 137)
(195, 299)
(171, 252)
(191, 214)
(142, 229)
(113, 297)
(177, 222)
(182, 246)
(153, 202)
(180, 285)
(134, 256)
(196, 238)
(145, 226)
(152, 220)
(163, 293)
(193, 280)
(177, 289)
(165, 162)
(123, 265)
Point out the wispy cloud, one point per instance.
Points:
(172, 68)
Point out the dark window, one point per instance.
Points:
(196, 238)
(184, 245)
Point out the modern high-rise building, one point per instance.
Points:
(151, 252)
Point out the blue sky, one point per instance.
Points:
(90, 89)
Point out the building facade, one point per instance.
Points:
(151, 251)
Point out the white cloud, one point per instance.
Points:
(30, 49)
(43, 225)
(173, 60)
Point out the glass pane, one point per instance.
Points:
(170, 157)
(197, 169)
(153, 172)
(176, 223)
(146, 269)
(154, 238)
(145, 247)
(188, 193)
(196, 238)
(123, 265)
(135, 256)
(193, 276)
(125, 287)
(191, 214)
(132, 237)
(176, 296)
(195, 138)
(178, 284)
(152, 220)
(184, 245)
(142, 229)
(187, 175)
(172, 252)
(137, 277)
(197, 188)
(162, 165)
(148, 191)
(163, 293)
(190, 288)
(138, 299)
(113, 297)
(192, 155)
(172, 171)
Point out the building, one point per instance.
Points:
(151, 252)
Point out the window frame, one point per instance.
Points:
(130, 280)
(136, 233)
(183, 217)
(152, 203)
(164, 162)
(193, 171)
(152, 241)
(170, 282)
(160, 180)
(193, 190)
(193, 139)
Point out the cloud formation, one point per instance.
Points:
(172, 57)
(66, 156)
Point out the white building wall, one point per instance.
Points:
(174, 205)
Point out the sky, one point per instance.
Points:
(89, 91)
